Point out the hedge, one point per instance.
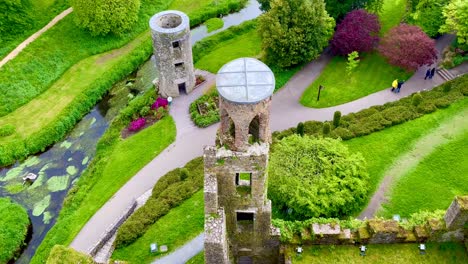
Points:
(379, 117)
(170, 191)
(14, 224)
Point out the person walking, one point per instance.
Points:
(400, 83)
(428, 74)
(394, 84)
(432, 73)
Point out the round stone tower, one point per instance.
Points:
(170, 31)
(245, 88)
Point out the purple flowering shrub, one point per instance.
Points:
(160, 102)
(137, 124)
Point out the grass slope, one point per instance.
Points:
(434, 182)
(62, 255)
(14, 222)
(371, 75)
(381, 149)
(380, 254)
(197, 259)
(180, 225)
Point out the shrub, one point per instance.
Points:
(7, 130)
(427, 15)
(170, 191)
(145, 110)
(358, 31)
(426, 107)
(137, 124)
(316, 177)
(14, 223)
(336, 118)
(208, 104)
(300, 129)
(160, 102)
(417, 99)
(397, 114)
(326, 128)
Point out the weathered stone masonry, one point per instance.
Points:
(170, 31)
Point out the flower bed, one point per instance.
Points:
(204, 111)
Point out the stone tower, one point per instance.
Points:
(172, 49)
(237, 212)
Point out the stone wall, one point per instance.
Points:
(216, 248)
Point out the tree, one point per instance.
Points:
(316, 177)
(102, 17)
(359, 31)
(15, 17)
(427, 15)
(408, 47)
(456, 20)
(264, 5)
(295, 31)
(339, 8)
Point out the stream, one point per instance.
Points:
(60, 166)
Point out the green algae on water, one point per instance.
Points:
(66, 144)
(46, 217)
(14, 188)
(85, 160)
(72, 170)
(40, 206)
(58, 183)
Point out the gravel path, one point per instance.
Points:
(34, 36)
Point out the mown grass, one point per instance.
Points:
(14, 222)
(381, 149)
(376, 254)
(434, 182)
(61, 254)
(180, 225)
(197, 259)
(213, 24)
(373, 73)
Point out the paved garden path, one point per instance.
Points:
(448, 130)
(34, 36)
(286, 112)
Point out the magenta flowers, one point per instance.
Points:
(137, 124)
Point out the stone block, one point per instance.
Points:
(421, 233)
(383, 231)
(457, 214)
(326, 233)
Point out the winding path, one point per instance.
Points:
(286, 112)
(34, 36)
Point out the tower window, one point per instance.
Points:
(245, 216)
(245, 221)
(243, 179)
(179, 66)
(176, 44)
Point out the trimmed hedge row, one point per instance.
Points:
(379, 117)
(170, 191)
(212, 116)
(65, 224)
(14, 223)
(20, 148)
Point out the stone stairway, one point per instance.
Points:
(445, 74)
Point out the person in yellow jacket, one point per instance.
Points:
(394, 84)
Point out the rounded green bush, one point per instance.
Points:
(310, 177)
(417, 99)
(7, 130)
(14, 222)
(326, 128)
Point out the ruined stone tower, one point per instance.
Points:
(237, 212)
(170, 31)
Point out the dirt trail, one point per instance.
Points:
(409, 160)
(34, 36)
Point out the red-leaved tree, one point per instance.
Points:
(408, 47)
(359, 31)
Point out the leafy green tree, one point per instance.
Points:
(316, 177)
(15, 17)
(339, 8)
(102, 17)
(264, 4)
(456, 20)
(353, 62)
(427, 15)
(295, 31)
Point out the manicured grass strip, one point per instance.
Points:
(372, 74)
(213, 24)
(381, 149)
(112, 167)
(14, 222)
(380, 254)
(179, 226)
(61, 254)
(434, 182)
(197, 259)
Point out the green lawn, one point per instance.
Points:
(381, 149)
(434, 182)
(213, 24)
(384, 254)
(197, 259)
(14, 222)
(372, 75)
(247, 44)
(179, 226)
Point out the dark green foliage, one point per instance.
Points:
(264, 4)
(417, 98)
(326, 128)
(294, 31)
(145, 110)
(377, 118)
(16, 16)
(170, 191)
(14, 223)
(316, 177)
(427, 15)
(339, 8)
(208, 104)
(7, 130)
(300, 129)
(336, 118)
(102, 17)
